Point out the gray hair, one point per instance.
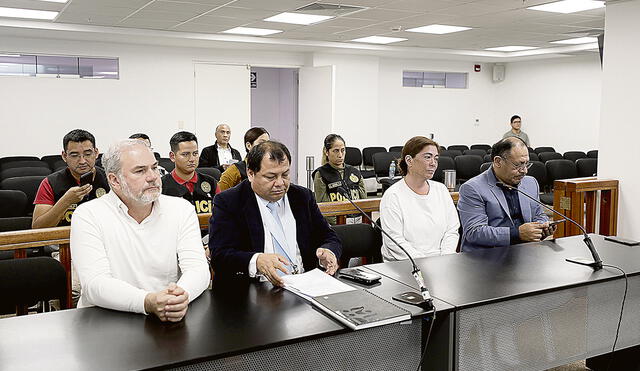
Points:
(111, 159)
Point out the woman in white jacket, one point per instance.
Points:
(416, 211)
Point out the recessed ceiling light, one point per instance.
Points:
(379, 40)
(438, 29)
(27, 13)
(511, 48)
(577, 40)
(55, 1)
(298, 18)
(11, 55)
(251, 31)
(569, 6)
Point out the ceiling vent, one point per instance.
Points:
(335, 10)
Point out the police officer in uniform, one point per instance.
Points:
(61, 192)
(334, 174)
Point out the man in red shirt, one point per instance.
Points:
(60, 193)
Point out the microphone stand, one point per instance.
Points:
(596, 263)
(427, 301)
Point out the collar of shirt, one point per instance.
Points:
(190, 184)
(115, 200)
(223, 149)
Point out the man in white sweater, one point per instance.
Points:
(134, 249)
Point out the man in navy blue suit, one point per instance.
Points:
(266, 227)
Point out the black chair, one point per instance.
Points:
(547, 156)
(487, 158)
(539, 171)
(14, 203)
(353, 156)
(560, 169)
(167, 164)
(452, 153)
(98, 160)
(533, 156)
(59, 165)
(485, 166)
(156, 155)
(458, 147)
(540, 150)
(467, 167)
(24, 171)
(593, 153)
(587, 167)
(367, 154)
(31, 163)
(444, 163)
(25, 282)
(396, 149)
(475, 152)
(359, 240)
(19, 223)
(381, 164)
(8, 159)
(51, 160)
(27, 184)
(574, 155)
(485, 147)
(210, 171)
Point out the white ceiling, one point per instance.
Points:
(494, 22)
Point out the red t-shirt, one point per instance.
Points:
(45, 196)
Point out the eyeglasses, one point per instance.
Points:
(77, 156)
(520, 167)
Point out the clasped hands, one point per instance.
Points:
(170, 304)
(269, 264)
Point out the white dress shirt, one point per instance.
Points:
(224, 155)
(119, 261)
(425, 225)
(289, 226)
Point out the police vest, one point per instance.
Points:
(62, 180)
(332, 180)
(203, 191)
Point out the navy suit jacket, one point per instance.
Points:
(236, 230)
(484, 212)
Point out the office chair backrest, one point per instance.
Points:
(467, 167)
(396, 149)
(484, 147)
(14, 203)
(458, 147)
(452, 153)
(368, 152)
(8, 159)
(24, 171)
(210, 171)
(353, 156)
(593, 153)
(574, 155)
(540, 150)
(533, 156)
(27, 281)
(560, 169)
(167, 164)
(538, 171)
(444, 163)
(51, 160)
(27, 184)
(59, 165)
(587, 167)
(485, 166)
(27, 163)
(359, 240)
(475, 152)
(546, 156)
(487, 158)
(382, 161)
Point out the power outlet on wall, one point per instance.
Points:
(477, 122)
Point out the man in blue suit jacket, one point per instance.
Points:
(266, 227)
(496, 216)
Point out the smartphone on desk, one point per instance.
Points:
(359, 275)
(621, 240)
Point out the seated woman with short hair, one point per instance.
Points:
(237, 172)
(417, 211)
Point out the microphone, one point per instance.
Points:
(406, 297)
(596, 263)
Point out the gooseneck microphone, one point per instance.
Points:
(427, 301)
(596, 263)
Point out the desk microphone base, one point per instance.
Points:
(413, 298)
(585, 261)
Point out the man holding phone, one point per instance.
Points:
(492, 211)
(61, 192)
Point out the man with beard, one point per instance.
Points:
(493, 215)
(134, 249)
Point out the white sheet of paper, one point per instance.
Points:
(314, 283)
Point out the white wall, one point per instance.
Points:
(619, 130)
(559, 101)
